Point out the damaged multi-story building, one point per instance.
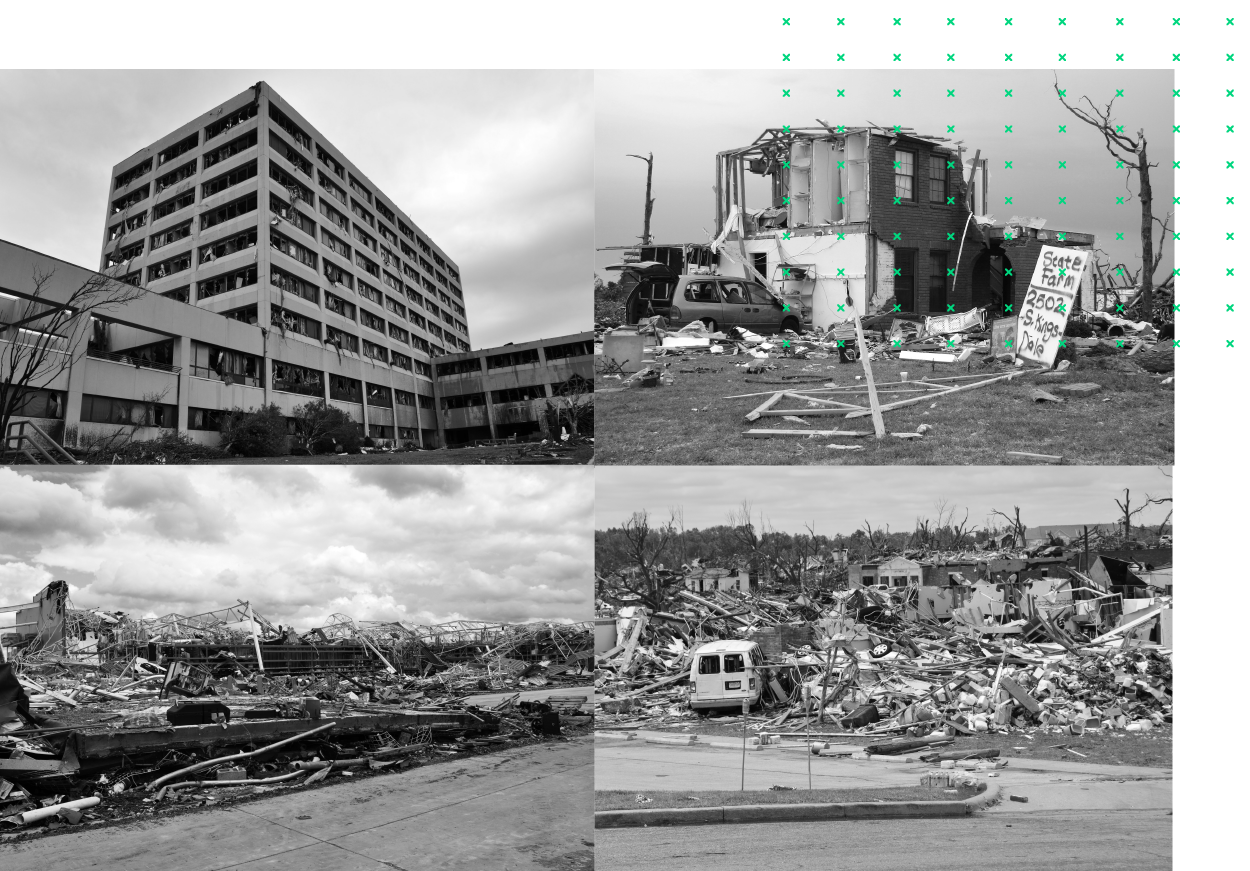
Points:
(893, 220)
(277, 272)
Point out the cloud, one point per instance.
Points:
(43, 508)
(171, 502)
(403, 482)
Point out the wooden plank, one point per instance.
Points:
(905, 402)
(801, 398)
(878, 425)
(764, 406)
(800, 412)
(800, 433)
(1047, 457)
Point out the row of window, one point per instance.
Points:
(906, 184)
(529, 393)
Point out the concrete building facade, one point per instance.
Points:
(248, 212)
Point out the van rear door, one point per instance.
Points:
(707, 678)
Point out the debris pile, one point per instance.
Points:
(105, 717)
(1050, 653)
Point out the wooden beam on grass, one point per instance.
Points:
(878, 425)
(1045, 457)
(905, 402)
(764, 406)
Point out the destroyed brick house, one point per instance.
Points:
(101, 706)
(884, 216)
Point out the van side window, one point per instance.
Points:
(760, 296)
(702, 291)
(734, 663)
(734, 293)
(709, 664)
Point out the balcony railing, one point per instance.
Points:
(128, 360)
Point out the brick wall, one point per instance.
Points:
(922, 225)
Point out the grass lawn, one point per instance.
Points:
(1130, 422)
(1151, 749)
(620, 799)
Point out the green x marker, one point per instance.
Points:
(1119, 201)
(785, 92)
(1063, 164)
(1062, 343)
(950, 92)
(897, 342)
(1119, 92)
(1063, 128)
(1007, 343)
(897, 92)
(785, 343)
(896, 308)
(950, 237)
(898, 201)
(785, 57)
(950, 128)
(1176, 58)
(841, 56)
(898, 271)
(1063, 22)
(785, 201)
(1176, 343)
(841, 308)
(1008, 166)
(898, 237)
(1119, 57)
(841, 92)
(786, 307)
(1228, 307)
(1007, 201)
(898, 57)
(950, 22)
(1007, 272)
(841, 343)
(785, 270)
(1228, 272)
(950, 307)
(950, 57)
(785, 128)
(841, 237)
(950, 273)
(1229, 343)
(1176, 92)
(785, 21)
(1006, 57)
(898, 22)
(1119, 21)
(1063, 201)
(1063, 57)
(1062, 307)
(1119, 343)
(1007, 93)
(1119, 237)
(950, 343)
(841, 21)
(1007, 308)
(1006, 22)
(1008, 126)
(785, 235)
(841, 272)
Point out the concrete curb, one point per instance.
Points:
(797, 813)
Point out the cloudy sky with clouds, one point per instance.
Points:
(686, 117)
(496, 166)
(840, 500)
(419, 544)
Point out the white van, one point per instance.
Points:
(726, 672)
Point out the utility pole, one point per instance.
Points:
(646, 215)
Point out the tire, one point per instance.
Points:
(791, 324)
(710, 323)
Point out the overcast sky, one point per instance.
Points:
(840, 500)
(686, 117)
(496, 166)
(419, 544)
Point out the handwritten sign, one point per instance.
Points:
(1048, 302)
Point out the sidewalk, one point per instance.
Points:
(521, 809)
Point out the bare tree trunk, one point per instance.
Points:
(1147, 246)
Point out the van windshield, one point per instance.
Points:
(709, 665)
(734, 662)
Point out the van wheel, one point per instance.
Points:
(791, 324)
(710, 323)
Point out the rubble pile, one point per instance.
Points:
(1052, 655)
(190, 711)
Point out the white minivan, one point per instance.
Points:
(724, 673)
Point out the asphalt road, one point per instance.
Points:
(527, 808)
(1068, 840)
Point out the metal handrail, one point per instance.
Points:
(21, 435)
(133, 361)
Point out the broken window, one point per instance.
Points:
(359, 187)
(368, 265)
(421, 344)
(403, 361)
(453, 272)
(335, 244)
(174, 176)
(905, 278)
(41, 403)
(701, 291)
(393, 306)
(466, 400)
(331, 188)
(937, 281)
(342, 340)
(442, 279)
(385, 212)
(428, 286)
(294, 217)
(460, 310)
(289, 378)
(422, 369)
(369, 292)
(291, 322)
(288, 153)
(177, 149)
(417, 319)
(937, 178)
(905, 175)
(173, 234)
(457, 291)
(513, 358)
(734, 663)
(235, 146)
(446, 316)
(244, 205)
(336, 276)
(177, 204)
(292, 249)
(372, 321)
(471, 366)
(388, 234)
(424, 401)
(393, 282)
(344, 389)
(336, 217)
(411, 273)
(229, 179)
(130, 412)
(137, 195)
(291, 184)
(244, 314)
(378, 395)
(293, 285)
(404, 397)
(182, 294)
(236, 280)
(396, 333)
(359, 211)
(425, 246)
(375, 351)
(518, 394)
(132, 223)
(290, 127)
(335, 167)
(223, 364)
(364, 238)
(229, 122)
(135, 172)
(567, 350)
(124, 255)
(444, 297)
(227, 246)
(172, 266)
(204, 419)
(340, 307)
(134, 278)
(575, 384)
(442, 264)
